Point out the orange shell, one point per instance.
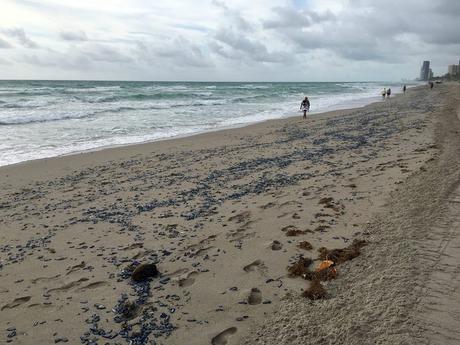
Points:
(324, 264)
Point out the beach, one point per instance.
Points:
(223, 214)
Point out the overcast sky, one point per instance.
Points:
(247, 40)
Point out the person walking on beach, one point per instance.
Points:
(388, 93)
(431, 84)
(305, 106)
(384, 92)
(404, 89)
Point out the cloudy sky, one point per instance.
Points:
(238, 40)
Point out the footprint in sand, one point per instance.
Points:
(93, 285)
(256, 265)
(44, 279)
(241, 217)
(17, 302)
(75, 268)
(69, 285)
(255, 296)
(133, 246)
(201, 252)
(189, 280)
(178, 272)
(39, 306)
(222, 338)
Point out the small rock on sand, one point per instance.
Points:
(144, 271)
(276, 245)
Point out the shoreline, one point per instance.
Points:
(355, 104)
(222, 215)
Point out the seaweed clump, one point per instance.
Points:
(329, 203)
(305, 245)
(315, 291)
(300, 267)
(292, 230)
(326, 273)
(342, 255)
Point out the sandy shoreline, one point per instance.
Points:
(342, 109)
(212, 211)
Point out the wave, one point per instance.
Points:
(26, 105)
(31, 120)
(54, 118)
(17, 106)
(250, 86)
(86, 88)
(136, 97)
(24, 93)
(247, 99)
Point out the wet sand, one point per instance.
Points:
(214, 212)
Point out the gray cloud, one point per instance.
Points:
(89, 57)
(63, 61)
(4, 43)
(232, 40)
(234, 18)
(20, 35)
(104, 53)
(369, 30)
(448, 7)
(5, 62)
(73, 35)
(288, 17)
(355, 39)
(179, 52)
(239, 46)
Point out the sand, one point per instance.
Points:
(213, 212)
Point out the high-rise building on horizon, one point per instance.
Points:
(454, 69)
(425, 71)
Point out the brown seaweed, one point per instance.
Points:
(301, 267)
(342, 255)
(305, 245)
(315, 291)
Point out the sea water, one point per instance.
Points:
(41, 119)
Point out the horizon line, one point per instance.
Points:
(212, 81)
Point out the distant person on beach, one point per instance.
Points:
(404, 89)
(305, 106)
(431, 84)
(384, 92)
(388, 93)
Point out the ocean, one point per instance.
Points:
(41, 119)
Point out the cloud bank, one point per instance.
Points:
(270, 40)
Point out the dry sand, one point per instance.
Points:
(213, 210)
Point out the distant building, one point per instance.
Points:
(425, 71)
(454, 69)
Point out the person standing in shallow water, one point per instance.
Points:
(388, 93)
(305, 106)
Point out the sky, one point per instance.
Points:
(227, 40)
